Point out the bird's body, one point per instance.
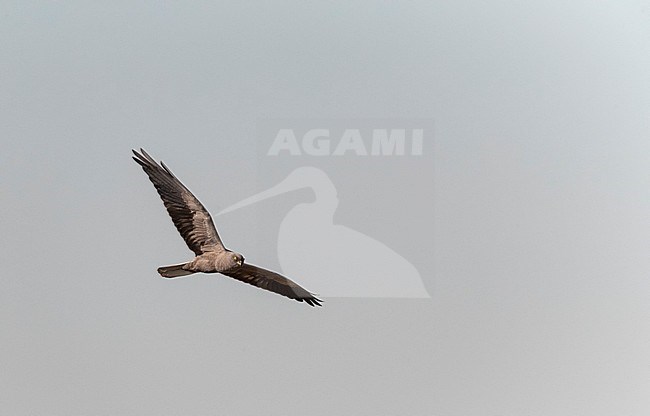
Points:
(195, 225)
(213, 262)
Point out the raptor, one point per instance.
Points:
(195, 225)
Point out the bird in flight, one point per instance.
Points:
(195, 225)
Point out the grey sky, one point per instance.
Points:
(539, 185)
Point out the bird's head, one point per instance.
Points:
(234, 260)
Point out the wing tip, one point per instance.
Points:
(145, 160)
(312, 301)
(140, 158)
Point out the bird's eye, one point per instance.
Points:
(234, 258)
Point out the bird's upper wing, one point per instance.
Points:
(190, 217)
(274, 282)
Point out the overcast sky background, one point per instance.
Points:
(538, 265)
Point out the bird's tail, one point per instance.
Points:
(176, 270)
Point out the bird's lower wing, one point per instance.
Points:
(273, 282)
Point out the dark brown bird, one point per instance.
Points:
(195, 225)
